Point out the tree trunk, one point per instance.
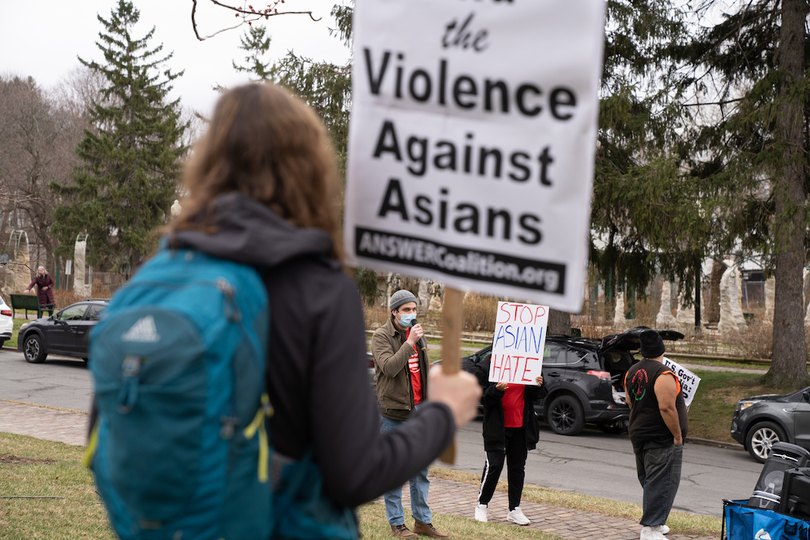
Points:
(698, 285)
(559, 322)
(789, 365)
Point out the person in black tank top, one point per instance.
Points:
(658, 426)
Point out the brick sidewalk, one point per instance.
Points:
(446, 497)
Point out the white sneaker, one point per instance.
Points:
(652, 533)
(663, 529)
(481, 513)
(517, 516)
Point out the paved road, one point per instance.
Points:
(59, 382)
(593, 463)
(604, 466)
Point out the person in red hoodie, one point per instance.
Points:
(44, 282)
(510, 430)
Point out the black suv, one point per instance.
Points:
(65, 333)
(584, 378)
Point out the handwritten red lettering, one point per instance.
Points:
(517, 367)
(507, 366)
(526, 369)
(495, 367)
(502, 310)
(539, 313)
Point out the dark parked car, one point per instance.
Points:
(584, 378)
(759, 422)
(64, 333)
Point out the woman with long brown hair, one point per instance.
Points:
(262, 190)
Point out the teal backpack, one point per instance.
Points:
(180, 448)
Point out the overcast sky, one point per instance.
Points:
(43, 40)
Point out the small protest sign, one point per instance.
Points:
(472, 141)
(518, 343)
(689, 381)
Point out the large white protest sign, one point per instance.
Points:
(518, 343)
(471, 149)
(689, 381)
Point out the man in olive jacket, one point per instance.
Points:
(401, 364)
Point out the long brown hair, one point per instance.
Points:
(268, 145)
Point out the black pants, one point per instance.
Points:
(515, 456)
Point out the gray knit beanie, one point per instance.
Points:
(400, 297)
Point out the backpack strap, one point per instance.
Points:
(258, 424)
(92, 444)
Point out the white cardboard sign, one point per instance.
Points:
(518, 343)
(689, 381)
(472, 141)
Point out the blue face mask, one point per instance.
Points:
(406, 319)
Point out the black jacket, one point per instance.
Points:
(494, 439)
(317, 374)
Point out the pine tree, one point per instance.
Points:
(255, 42)
(324, 86)
(756, 150)
(649, 216)
(122, 190)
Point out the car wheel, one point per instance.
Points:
(565, 416)
(614, 428)
(2, 342)
(33, 350)
(761, 438)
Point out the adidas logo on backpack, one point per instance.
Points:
(143, 331)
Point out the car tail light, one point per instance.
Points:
(6, 312)
(370, 361)
(600, 374)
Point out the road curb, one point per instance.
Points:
(709, 442)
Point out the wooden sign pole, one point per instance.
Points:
(452, 314)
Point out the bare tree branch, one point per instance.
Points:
(248, 16)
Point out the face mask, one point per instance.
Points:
(406, 319)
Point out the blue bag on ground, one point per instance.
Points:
(179, 449)
(745, 523)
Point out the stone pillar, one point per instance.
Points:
(770, 293)
(686, 315)
(619, 320)
(80, 268)
(664, 318)
(18, 275)
(731, 317)
(424, 295)
(435, 296)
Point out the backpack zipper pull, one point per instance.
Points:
(232, 312)
(130, 369)
(229, 424)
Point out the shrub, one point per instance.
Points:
(479, 312)
(756, 340)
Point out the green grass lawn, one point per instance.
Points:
(12, 343)
(717, 395)
(45, 493)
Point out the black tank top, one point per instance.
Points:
(647, 427)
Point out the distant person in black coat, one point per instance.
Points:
(510, 430)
